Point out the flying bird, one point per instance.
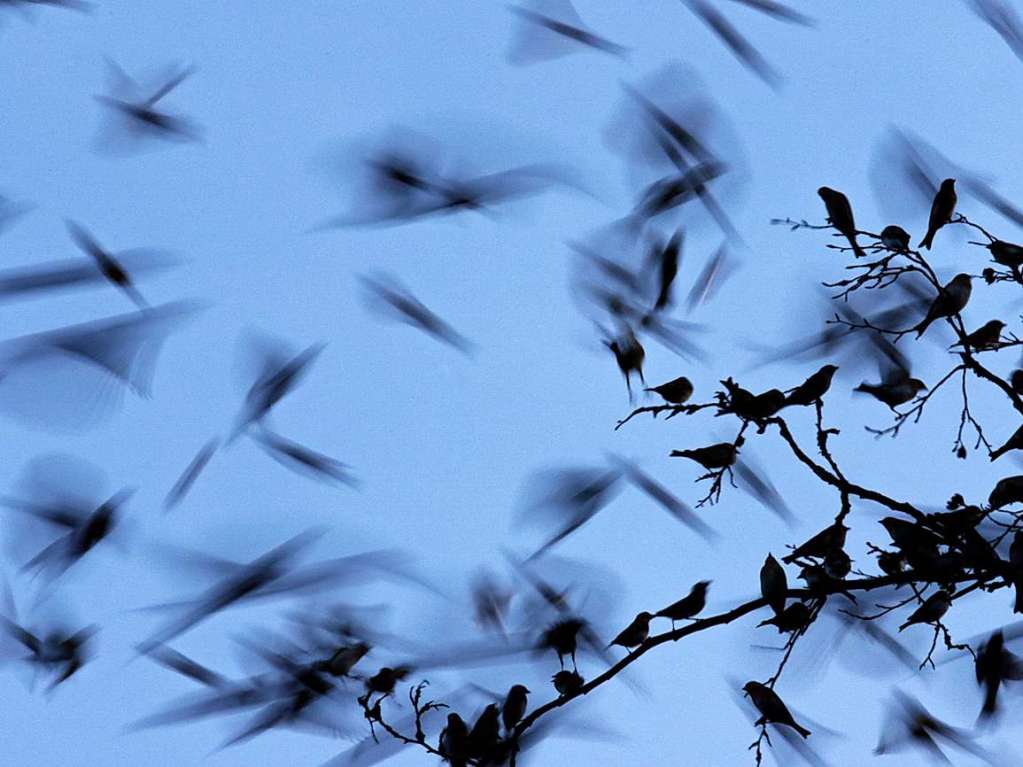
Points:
(384, 293)
(552, 33)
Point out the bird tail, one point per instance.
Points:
(905, 625)
(926, 241)
(801, 730)
(864, 388)
(999, 452)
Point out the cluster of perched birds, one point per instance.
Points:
(318, 674)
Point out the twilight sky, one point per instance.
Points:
(442, 443)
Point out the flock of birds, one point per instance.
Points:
(317, 674)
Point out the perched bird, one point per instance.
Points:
(1006, 491)
(674, 392)
(635, 633)
(837, 564)
(514, 707)
(773, 584)
(840, 215)
(454, 741)
(987, 336)
(748, 405)
(830, 539)
(1016, 381)
(1006, 253)
(688, 606)
(931, 611)
(567, 682)
(813, 388)
(891, 562)
(1016, 567)
(1015, 442)
(895, 238)
(385, 679)
(719, 456)
(485, 733)
(951, 299)
(942, 208)
(771, 707)
(792, 618)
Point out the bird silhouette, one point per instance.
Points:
(942, 208)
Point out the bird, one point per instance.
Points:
(573, 31)
(562, 638)
(931, 611)
(688, 606)
(773, 584)
(629, 354)
(1016, 381)
(719, 456)
(951, 299)
(1006, 253)
(894, 392)
(567, 682)
(514, 707)
(1006, 491)
(993, 666)
(1015, 442)
(840, 215)
(386, 295)
(813, 388)
(987, 336)
(453, 743)
(635, 633)
(837, 564)
(675, 392)
(107, 263)
(771, 707)
(668, 259)
(942, 208)
(1016, 565)
(141, 114)
(820, 545)
(895, 238)
(485, 733)
(792, 618)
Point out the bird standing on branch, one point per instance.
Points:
(942, 208)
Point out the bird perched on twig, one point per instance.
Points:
(771, 707)
(951, 299)
(831, 538)
(514, 707)
(895, 238)
(635, 633)
(987, 336)
(942, 208)
(719, 456)
(688, 606)
(567, 682)
(773, 584)
(841, 216)
(1006, 491)
(675, 392)
(813, 388)
(931, 611)
(792, 618)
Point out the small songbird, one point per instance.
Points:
(675, 392)
(1008, 490)
(1016, 563)
(668, 257)
(994, 665)
(1006, 253)
(942, 208)
(771, 707)
(813, 388)
(792, 618)
(1016, 381)
(485, 733)
(773, 584)
(895, 238)
(562, 637)
(688, 606)
(514, 707)
(831, 538)
(837, 564)
(952, 299)
(893, 393)
(891, 562)
(567, 682)
(841, 216)
(987, 336)
(719, 456)
(454, 741)
(932, 609)
(629, 354)
(635, 633)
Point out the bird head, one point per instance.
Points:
(645, 616)
(518, 689)
(702, 586)
(948, 184)
(826, 193)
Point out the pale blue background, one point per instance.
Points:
(443, 443)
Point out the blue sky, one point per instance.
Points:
(443, 444)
